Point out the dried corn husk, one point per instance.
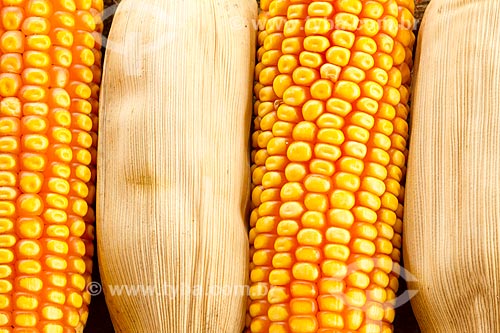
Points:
(452, 208)
(173, 165)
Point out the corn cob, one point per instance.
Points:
(329, 150)
(49, 72)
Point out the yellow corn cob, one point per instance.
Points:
(49, 76)
(328, 162)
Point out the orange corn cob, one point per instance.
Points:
(49, 76)
(328, 164)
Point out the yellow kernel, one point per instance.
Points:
(308, 254)
(310, 237)
(10, 107)
(347, 91)
(355, 297)
(322, 89)
(358, 280)
(299, 152)
(334, 268)
(292, 191)
(320, 9)
(26, 302)
(364, 214)
(52, 313)
(342, 199)
(390, 25)
(281, 83)
(303, 306)
(316, 202)
(337, 55)
(340, 218)
(75, 300)
(310, 59)
(331, 320)
(303, 289)
(291, 209)
(29, 266)
(282, 260)
(318, 184)
(278, 312)
(287, 63)
(352, 74)
(346, 181)
(346, 21)
(368, 27)
(5, 271)
(287, 228)
(337, 252)
(31, 284)
(354, 319)
(26, 319)
(277, 294)
(56, 297)
(312, 109)
(305, 271)
(304, 131)
(9, 84)
(275, 24)
(313, 219)
(12, 18)
(296, 95)
(317, 26)
(305, 76)
(279, 277)
(322, 167)
(7, 209)
(362, 60)
(338, 235)
(12, 42)
(327, 151)
(316, 43)
(297, 11)
(9, 144)
(369, 200)
(303, 324)
(52, 328)
(271, 57)
(295, 172)
(272, 179)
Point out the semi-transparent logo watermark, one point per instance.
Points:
(185, 290)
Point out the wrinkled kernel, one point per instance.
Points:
(330, 72)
